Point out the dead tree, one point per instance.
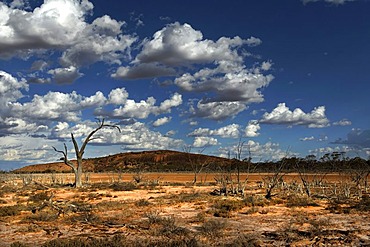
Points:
(274, 180)
(303, 175)
(77, 166)
(197, 162)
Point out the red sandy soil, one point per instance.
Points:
(272, 223)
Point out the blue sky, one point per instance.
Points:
(285, 77)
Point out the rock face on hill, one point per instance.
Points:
(160, 160)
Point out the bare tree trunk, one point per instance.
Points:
(78, 174)
(77, 169)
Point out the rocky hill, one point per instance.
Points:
(160, 160)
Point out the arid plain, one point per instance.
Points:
(167, 209)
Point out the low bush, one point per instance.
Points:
(213, 227)
(111, 205)
(43, 216)
(245, 240)
(11, 210)
(39, 197)
(300, 201)
(142, 203)
(224, 208)
(338, 207)
(363, 204)
(123, 187)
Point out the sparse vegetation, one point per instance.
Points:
(157, 211)
(213, 227)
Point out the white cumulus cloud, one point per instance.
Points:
(252, 129)
(229, 131)
(60, 26)
(204, 141)
(223, 74)
(283, 115)
(343, 122)
(161, 121)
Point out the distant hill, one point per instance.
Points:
(174, 161)
(160, 160)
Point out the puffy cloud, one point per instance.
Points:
(161, 121)
(324, 150)
(25, 149)
(170, 133)
(55, 106)
(94, 101)
(39, 65)
(65, 75)
(17, 4)
(266, 65)
(142, 109)
(310, 138)
(11, 126)
(68, 107)
(133, 109)
(204, 141)
(143, 71)
(283, 115)
(181, 45)
(253, 41)
(174, 101)
(252, 129)
(10, 91)
(235, 84)
(343, 122)
(259, 152)
(59, 25)
(118, 96)
(136, 136)
(10, 88)
(223, 76)
(218, 110)
(357, 137)
(56, 23)
(52, 106)
(229, 131)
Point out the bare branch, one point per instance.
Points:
(65, 157)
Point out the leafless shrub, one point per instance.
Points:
(39, 197)
(123, 187)
(245, 240)
(300, 201)
(224, 208)
(142, 203)
(213, 227)
(11, 210)
(363, 205)
(111, 205)
(138, 177)
(43, 216)
(153, 217)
